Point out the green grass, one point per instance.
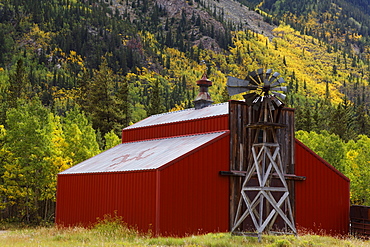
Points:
(111, 231)
(122, 236)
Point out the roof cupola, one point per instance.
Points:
(203, 98)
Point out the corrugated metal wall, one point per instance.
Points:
(194, 197)
(322, 200)
(81, 198)
(186, 196)
(193, 126)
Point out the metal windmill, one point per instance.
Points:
(264, 195)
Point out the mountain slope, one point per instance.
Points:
(175, 41)
(338, 17)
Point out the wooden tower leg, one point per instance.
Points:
(266, 162)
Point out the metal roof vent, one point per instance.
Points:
(203, 98)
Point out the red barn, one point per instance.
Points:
(165, 176)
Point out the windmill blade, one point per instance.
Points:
(278, 82)
(269, 102)
(252, 79)
(253, 73)
(280, 95)
(259, 76)
(256, 77)
(284, 89)
(266, 80)
(257, 103)
(274, 77)
(268, 73)
(249, 98)
(276, 101)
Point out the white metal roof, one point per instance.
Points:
(142, 155)
(184, 115)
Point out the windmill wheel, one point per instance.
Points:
(259, 85)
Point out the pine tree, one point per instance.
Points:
(19, 85)
(361, 121)
(124, 104)
(341, 121)
(156, 104)
(102, 102)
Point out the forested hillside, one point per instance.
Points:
(74, 73)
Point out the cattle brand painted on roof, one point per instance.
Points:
(184, 115)
(142, 155)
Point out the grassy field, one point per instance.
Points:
(116, 233)
(112, 235)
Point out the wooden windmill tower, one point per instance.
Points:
(264, 193)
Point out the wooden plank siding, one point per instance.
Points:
(241, 141)
(360, 221)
